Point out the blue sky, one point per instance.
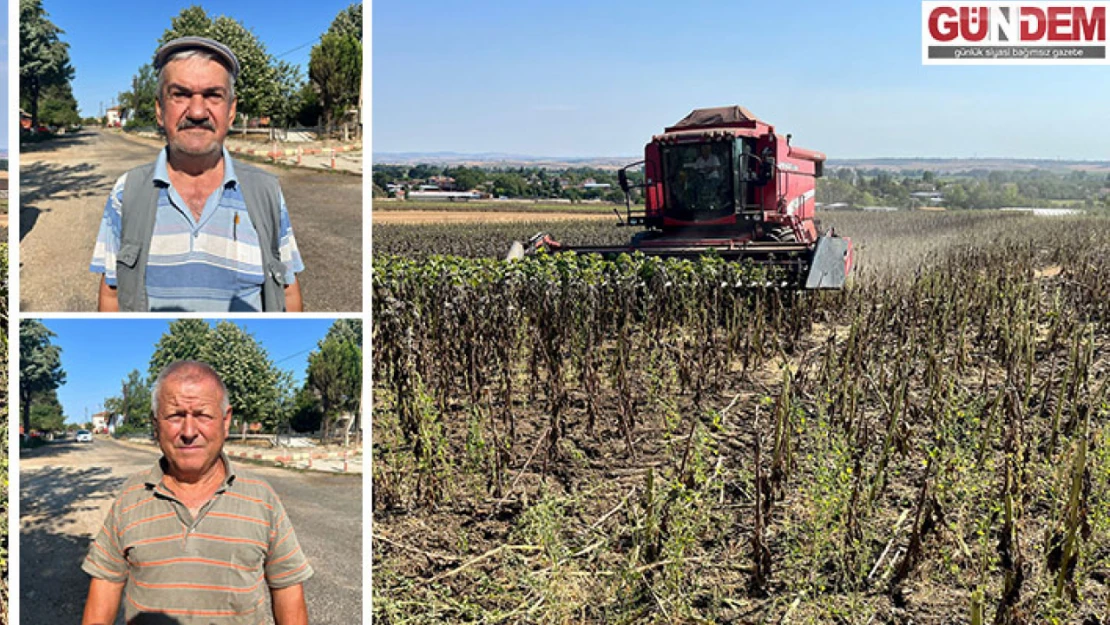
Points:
(4, 81)
(576, 78)
(109, 41)
(97, 354)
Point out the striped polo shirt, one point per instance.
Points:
(216, 568)
(210, 264)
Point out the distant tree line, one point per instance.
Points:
(512, 182)
(974, 189)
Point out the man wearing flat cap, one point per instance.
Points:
(192, 541)
(194, 231)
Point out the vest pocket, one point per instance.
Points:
(276, 270)
(128, 255)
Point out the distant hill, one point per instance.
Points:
(937, 164)
(956, 165)
(500, 159)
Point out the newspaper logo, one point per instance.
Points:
(1008, 33)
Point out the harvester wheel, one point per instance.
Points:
(782, 234)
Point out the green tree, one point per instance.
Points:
(348, 22)
(290, 102)
(40, 365)
(139, 101)
(335, 68)
(381, 179)
(46, 412)
(346, 330)
(420, 171)
(308, 414)
(186, 339)
(254, 384)
(309, 110)
(43, 56)
(335, 372)
(133, 402)
(509, 185)
(467, 178)
(257, 389)
(615, 196)
(58, 107)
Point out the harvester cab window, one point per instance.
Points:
(698, 178)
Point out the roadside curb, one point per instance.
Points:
(273, 155)
(274, 152)
(286, 459)
(344, 159)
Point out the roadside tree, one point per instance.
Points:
(40, 365)
(335, 65)
(58, 107)
(335, 374)
(253, 382)
(43, 56)
(335, 69)
(139, 101)
(258, 390)
(133, 402)
(185, 340)
(46, 412)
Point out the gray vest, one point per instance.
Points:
(262, 195)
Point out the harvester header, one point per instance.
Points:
(721, 179)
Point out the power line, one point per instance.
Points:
(293, 355)
(278, 56)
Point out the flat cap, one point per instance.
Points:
(197, 43)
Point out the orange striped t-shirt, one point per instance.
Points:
(216, 568)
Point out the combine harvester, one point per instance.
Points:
(721, 181)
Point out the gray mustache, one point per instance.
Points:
(187, 123)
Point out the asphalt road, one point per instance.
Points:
(64, 184)
(67, 488)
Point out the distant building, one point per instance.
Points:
(452, 196)
(590, 183)
(443, 183)
(929, 197)
(1044, 212)
(113, 117)
(100, 422)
